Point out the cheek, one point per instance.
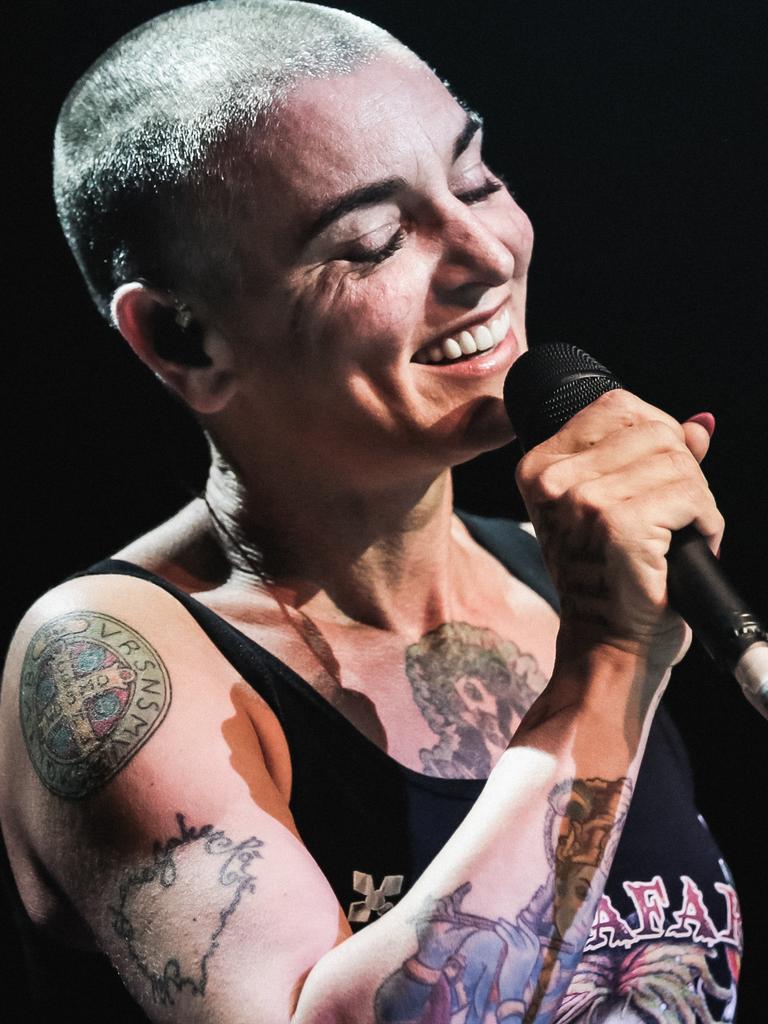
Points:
(355, 315)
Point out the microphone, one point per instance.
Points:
(544, 389)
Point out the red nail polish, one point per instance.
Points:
(706, 420)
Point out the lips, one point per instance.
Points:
(479, 338)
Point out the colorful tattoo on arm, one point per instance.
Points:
(199, 860)
(92, 692)
(474, 969)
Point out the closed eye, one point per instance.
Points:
(470, 197)
(477, 195)
(382, 253)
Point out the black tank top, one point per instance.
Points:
(668, 922)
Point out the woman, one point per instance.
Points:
(317, 702)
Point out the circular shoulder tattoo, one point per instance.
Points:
(92, 693)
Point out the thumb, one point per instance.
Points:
(698, 430)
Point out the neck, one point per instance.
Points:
(384, 559)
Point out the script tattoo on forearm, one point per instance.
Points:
(92, 692)
(204, 861)
(471, 969)
(578, 567)
(472, 687)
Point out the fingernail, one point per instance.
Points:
(706, 419)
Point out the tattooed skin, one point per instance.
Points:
(472, 688)
(584, 813)
(92, 693)
(219, 868)
(472, 969)
(577, 565)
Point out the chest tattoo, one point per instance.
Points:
(472, 687)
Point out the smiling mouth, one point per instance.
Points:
(470, 342)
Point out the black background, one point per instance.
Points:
(633, 132)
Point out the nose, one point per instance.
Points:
(473, 259)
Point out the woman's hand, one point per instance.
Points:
(605, 494)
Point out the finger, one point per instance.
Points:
(698, 431)
(610, 412)
(625, 449)
(647, 473)
(672, 507)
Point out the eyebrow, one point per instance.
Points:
(379, 191)
(366, 195)
(472, 126)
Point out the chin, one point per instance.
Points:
(487, 428)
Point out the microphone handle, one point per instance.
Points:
(720, 619)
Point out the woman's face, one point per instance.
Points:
(379, 234)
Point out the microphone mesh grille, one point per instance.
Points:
(563, 403)
(548, 385)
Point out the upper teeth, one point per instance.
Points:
(474, 339)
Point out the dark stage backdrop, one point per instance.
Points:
(634, 134)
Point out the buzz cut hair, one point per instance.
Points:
(152, 144)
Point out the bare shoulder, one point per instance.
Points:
(112, 689)
(183, 550)
(91, 666)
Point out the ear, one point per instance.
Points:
(194, 361)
